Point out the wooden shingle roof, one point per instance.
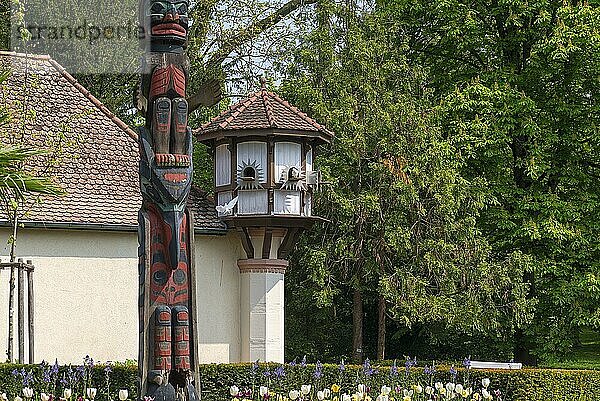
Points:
(263, 111)
(99, 169)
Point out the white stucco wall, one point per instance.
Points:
(86, 292)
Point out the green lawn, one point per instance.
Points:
(585, 356)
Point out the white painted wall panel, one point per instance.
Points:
(248, 152)
(252, 202)
(286, 202)
(222, 165)
(86, 295)
(309, 160)
(286, 154)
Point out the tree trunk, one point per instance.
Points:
(381, 329)
(357, 327)
(11, 291)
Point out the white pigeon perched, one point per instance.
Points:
(225, 209)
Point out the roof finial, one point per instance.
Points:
(263, 82)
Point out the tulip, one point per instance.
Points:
(346, 397)
(263, 390)
(3, 397)
(459, 388)
(294, 394)
(382, 397)
(361, 388)
(418, 389)
(123, 394)
(476, 396)
(305, 389)
(326, 392)
(320, 395)
(67, 393)
(234, 391)
(44, 397)
(28, 392)
(91, 393)
(486, 395)
(450, 387)
(439, 386)
(429, 390)
(335, 388)
(485, 382)
(17, 398)
(385, 390)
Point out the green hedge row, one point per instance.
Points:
(521, 385)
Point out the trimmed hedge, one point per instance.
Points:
(519, 385)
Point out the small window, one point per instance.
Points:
(249, 172)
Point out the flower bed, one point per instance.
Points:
(326, 382)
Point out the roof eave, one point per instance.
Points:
(209, 136)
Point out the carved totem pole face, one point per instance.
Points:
(166, 21)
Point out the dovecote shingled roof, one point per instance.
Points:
(99, 169)
(263, 111)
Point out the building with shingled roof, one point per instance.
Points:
(84, 244)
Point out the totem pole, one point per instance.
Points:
(168, 354)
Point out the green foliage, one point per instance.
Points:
(405, 217)
(522, 385)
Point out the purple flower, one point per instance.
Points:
(293, 363)
(267, 373)
(467, 363)
(88, 361)
(15, 372)
(279, 372)
(453, 372)
(367, 370)
(108, 367)
(318, 370)
(303, 362)
(394, 369)
(342, 367)
(254, 367)
(54, 369)
(429, 370)
(247, 393)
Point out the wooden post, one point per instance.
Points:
(21, 309)
(30, 311)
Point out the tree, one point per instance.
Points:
(517, 92)
(404, 217)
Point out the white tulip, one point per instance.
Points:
(67, 393)
(320, 395)
(123, 394)
(91, 393)
(234, 390)
(383, 397)
(28, 392)
(346, 397)
(459, 388)
(327, 392)
(3, 397)
(450, 387)
(429, 390)
(44, 397)
(294, 394)
(486, 395)
(407, 393)
(263, 390)
(17, 398)
(305, 389)
(361, 388)
(439, 386)
(485, 382)
(385, 390)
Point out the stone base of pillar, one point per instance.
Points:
(262, 309)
